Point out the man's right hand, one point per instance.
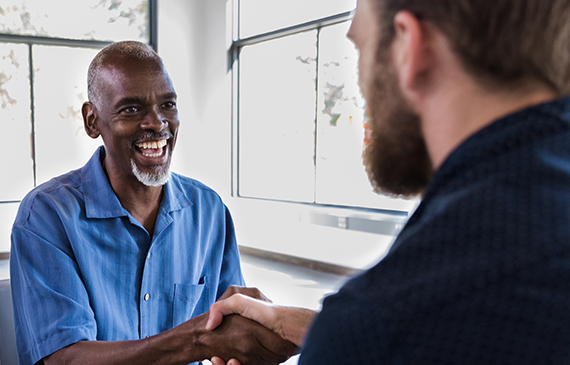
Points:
(291, 323)
(245, 340)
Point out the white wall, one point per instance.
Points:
(193, 39)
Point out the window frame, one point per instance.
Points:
(235, 47)
(31, 40)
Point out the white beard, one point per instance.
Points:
(151, 179)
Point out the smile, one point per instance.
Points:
(151, 149)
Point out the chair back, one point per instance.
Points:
(8, 351)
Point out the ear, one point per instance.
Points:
(89, 119)
(410, 51)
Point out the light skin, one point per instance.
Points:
(291, 323)
(451, 105)
(288, 322)
(138, 100)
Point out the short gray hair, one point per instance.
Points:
(126, 49)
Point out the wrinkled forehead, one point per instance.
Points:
(130, 69)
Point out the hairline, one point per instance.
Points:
(107, 56)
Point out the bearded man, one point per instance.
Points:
(469, 107)
(115, 263)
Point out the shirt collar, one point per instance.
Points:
(101, 201)
(175, 197)
(506, 133)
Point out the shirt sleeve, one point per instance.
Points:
(231, 273)
(347, 331)
(51, 305)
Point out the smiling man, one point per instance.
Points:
(469, 105)
(115, 263)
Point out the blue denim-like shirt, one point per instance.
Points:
(82, 268)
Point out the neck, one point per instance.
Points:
(141, 201)
(464, 108)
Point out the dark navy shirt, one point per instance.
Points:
(82, 268)
(481, 272)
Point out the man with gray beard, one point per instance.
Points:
(115, 263)
(469, 106)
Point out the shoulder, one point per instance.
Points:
(54, 194)
(514, 172)
(191, 184)
(194, 190)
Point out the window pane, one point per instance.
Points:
(93, 19)
(60, 88)
(7, 215)
(260, 16)
(341, 178)
(17, 176)
(277, 118)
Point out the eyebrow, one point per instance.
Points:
(127, 101)
(138, 100)
(170, 95)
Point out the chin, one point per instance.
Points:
(158, 177)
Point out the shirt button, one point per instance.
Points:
(146, 296)
(148, 256)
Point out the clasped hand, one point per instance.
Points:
(238, 340)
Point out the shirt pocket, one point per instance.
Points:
(189, 301)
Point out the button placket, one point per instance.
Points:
(145, 303)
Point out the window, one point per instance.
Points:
(298, 110)
(45, 50)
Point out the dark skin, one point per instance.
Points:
(236, 337)
(136, 97)
(137, 105)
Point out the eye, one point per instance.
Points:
(130, 110)
(169, 105)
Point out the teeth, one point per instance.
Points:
(152, 145)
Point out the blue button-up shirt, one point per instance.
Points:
(82, 268)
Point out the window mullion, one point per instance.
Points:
(32, 112)
(316, 115)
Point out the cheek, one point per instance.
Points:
(174, 137)
(174, 127)
(365, 75)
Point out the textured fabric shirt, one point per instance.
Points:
(481, 272)
(82, 268)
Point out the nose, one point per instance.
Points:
(155, 121)
(350, 32)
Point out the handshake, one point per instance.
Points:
(244, 327)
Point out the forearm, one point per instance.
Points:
(295, 323)
(237, 337)
(179, 345)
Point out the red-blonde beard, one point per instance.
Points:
(396, 157)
